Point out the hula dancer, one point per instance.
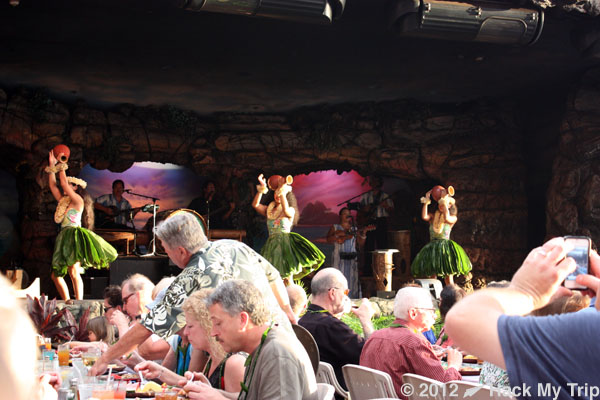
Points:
(75, 247)
(292, 254)
(441, 256)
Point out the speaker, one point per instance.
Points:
(155, 268)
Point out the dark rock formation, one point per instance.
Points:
(477, 147)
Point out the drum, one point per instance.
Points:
(382, 263)
(199, 217)
(401, 240)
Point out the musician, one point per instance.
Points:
(115, 210)
(347, 240)
(209, 206)
(376, 208)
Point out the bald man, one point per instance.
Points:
(298, 300)
(338, 344)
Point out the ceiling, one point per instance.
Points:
(146, 52)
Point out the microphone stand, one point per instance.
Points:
(154, 199)
(352, 198)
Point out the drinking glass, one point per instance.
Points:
(90, 357)
(48, 343)
(63, 355)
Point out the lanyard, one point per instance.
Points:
(251, 361)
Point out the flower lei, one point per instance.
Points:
(274, 210)
(61, 209)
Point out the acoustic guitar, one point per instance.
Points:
(342, 235)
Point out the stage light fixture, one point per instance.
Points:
(313, 11)
(491, 22)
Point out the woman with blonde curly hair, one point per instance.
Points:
(76, 248)
(222, 371)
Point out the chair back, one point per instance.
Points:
(325, 391)
(422, 387)
(367, 383)
(326, 374)
(475, 391)
(308, 341)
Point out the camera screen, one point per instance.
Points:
(580, 255)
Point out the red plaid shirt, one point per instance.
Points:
(398, 351)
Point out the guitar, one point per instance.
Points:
(103, 218)
(342, 235)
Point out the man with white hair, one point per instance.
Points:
(402, 348)
(338, 344)
(205, 265)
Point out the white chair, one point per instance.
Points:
(326, 374)
(325, 391)
(476, 391)
(367, 383)
(422, 387)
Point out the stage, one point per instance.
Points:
(154, 267)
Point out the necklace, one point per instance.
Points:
(274, 210)
(251, 360)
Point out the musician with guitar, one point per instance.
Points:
(113, 210)
(375, 209)
(347, 240)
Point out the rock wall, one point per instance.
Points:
(475, 147)
(574, 192)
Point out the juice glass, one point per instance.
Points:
(48, 343)
(63, 355)
(167, 395)
(90, 357)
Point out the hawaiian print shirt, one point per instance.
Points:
(219, 261)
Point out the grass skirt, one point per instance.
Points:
(292, 254)
(79, 244)
(441, 257)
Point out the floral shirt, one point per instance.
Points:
(220, 261)
(493, 375)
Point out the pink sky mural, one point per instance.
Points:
(176, 186)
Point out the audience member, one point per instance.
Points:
(450, 294)
(559, 351)
(402, 348)
(278, 367)
(18, 353)
(136, 292)
(100, 333)
(338, 344)
(298, 300)
(112, 301)
(223, 371)
(205, 265)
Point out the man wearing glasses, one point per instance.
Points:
(338, 344)
(402, 348)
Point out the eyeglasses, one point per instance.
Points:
(106, 309)
(127, 298)
(346, 291)
(425, 308)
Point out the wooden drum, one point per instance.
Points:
(383, 264)
(401, 240)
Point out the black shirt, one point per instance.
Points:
(338, 344)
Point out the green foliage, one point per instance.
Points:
(378, 323)
(79, 330)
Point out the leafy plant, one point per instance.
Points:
(378, 323)
(79, 330)
(46, 319)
